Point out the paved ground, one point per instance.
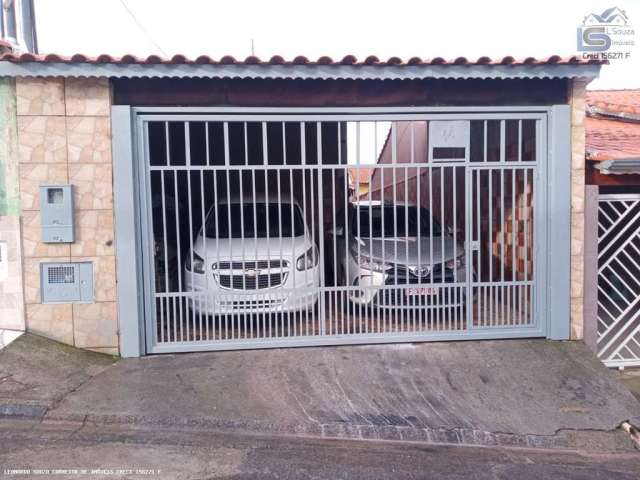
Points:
(8, 336)
(179, 455)
(528, 393)
(630, 377)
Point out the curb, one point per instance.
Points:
(598, 441)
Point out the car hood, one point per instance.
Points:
(409, 251)
(251, 248)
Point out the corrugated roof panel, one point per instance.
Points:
(324, 67)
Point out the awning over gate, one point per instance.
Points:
(371, 68)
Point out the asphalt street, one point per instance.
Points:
(41, 451)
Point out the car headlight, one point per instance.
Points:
(455, 263)
(371, 264)
(307, 260)
(198, 263)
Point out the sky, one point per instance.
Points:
(400, 28)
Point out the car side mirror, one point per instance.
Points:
(451, 230)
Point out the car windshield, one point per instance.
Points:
(260, 220)
(393, 221)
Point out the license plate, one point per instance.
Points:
(421, 291)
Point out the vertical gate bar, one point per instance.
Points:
(376, 308)
(490, 252)
(187, 154)
(334, 301)
(525, 214)
(166, 265)
(303, 160)
(217, 320)
(265, 162)
(344, 295)
(478, 251)
(358, 221)
(482, 295)
(206, 253)
(417, 322)
(513, 241)
(333, 298)
(210, 279)
(442, 294)
(293, 258)
(502, 235)
(245, 314)
(313, 205)
(521, 210)
(292, 267)
(227, 162)
(346, 308)
(432, 311)
(394, 161)
(405, 319)
(468, 201)
(503, 300)
(254, 204)
(280, 225)
(383, 294)
(164, 247)
(503, 141)
(454, 204)
(519, 140)
(321, 314)
(179, 249)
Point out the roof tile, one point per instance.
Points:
(18, 57)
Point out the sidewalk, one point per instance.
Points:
(523, 393)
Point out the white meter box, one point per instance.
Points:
(56, 213)
(67, 282)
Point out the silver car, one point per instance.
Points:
(399, 256)
(253, 255)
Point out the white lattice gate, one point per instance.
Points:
(619, 280)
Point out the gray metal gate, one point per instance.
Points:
(289, 229)
(619, 280)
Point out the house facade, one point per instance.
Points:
(143, 154)
(612, 216)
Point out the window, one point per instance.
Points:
(9, 13)
(399, 221)
(251, 219)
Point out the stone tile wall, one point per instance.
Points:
(64, 136)
(577, 102)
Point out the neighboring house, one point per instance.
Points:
(612, 229)
(150, 149)
(18, 26)
(17, 33)
(359, 179)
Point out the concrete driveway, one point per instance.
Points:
(523, 393)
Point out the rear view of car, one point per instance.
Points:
(253, 255)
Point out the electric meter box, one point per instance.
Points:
(67, 282)
(56, 213)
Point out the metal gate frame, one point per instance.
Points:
(551, 230)
(614, 338)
